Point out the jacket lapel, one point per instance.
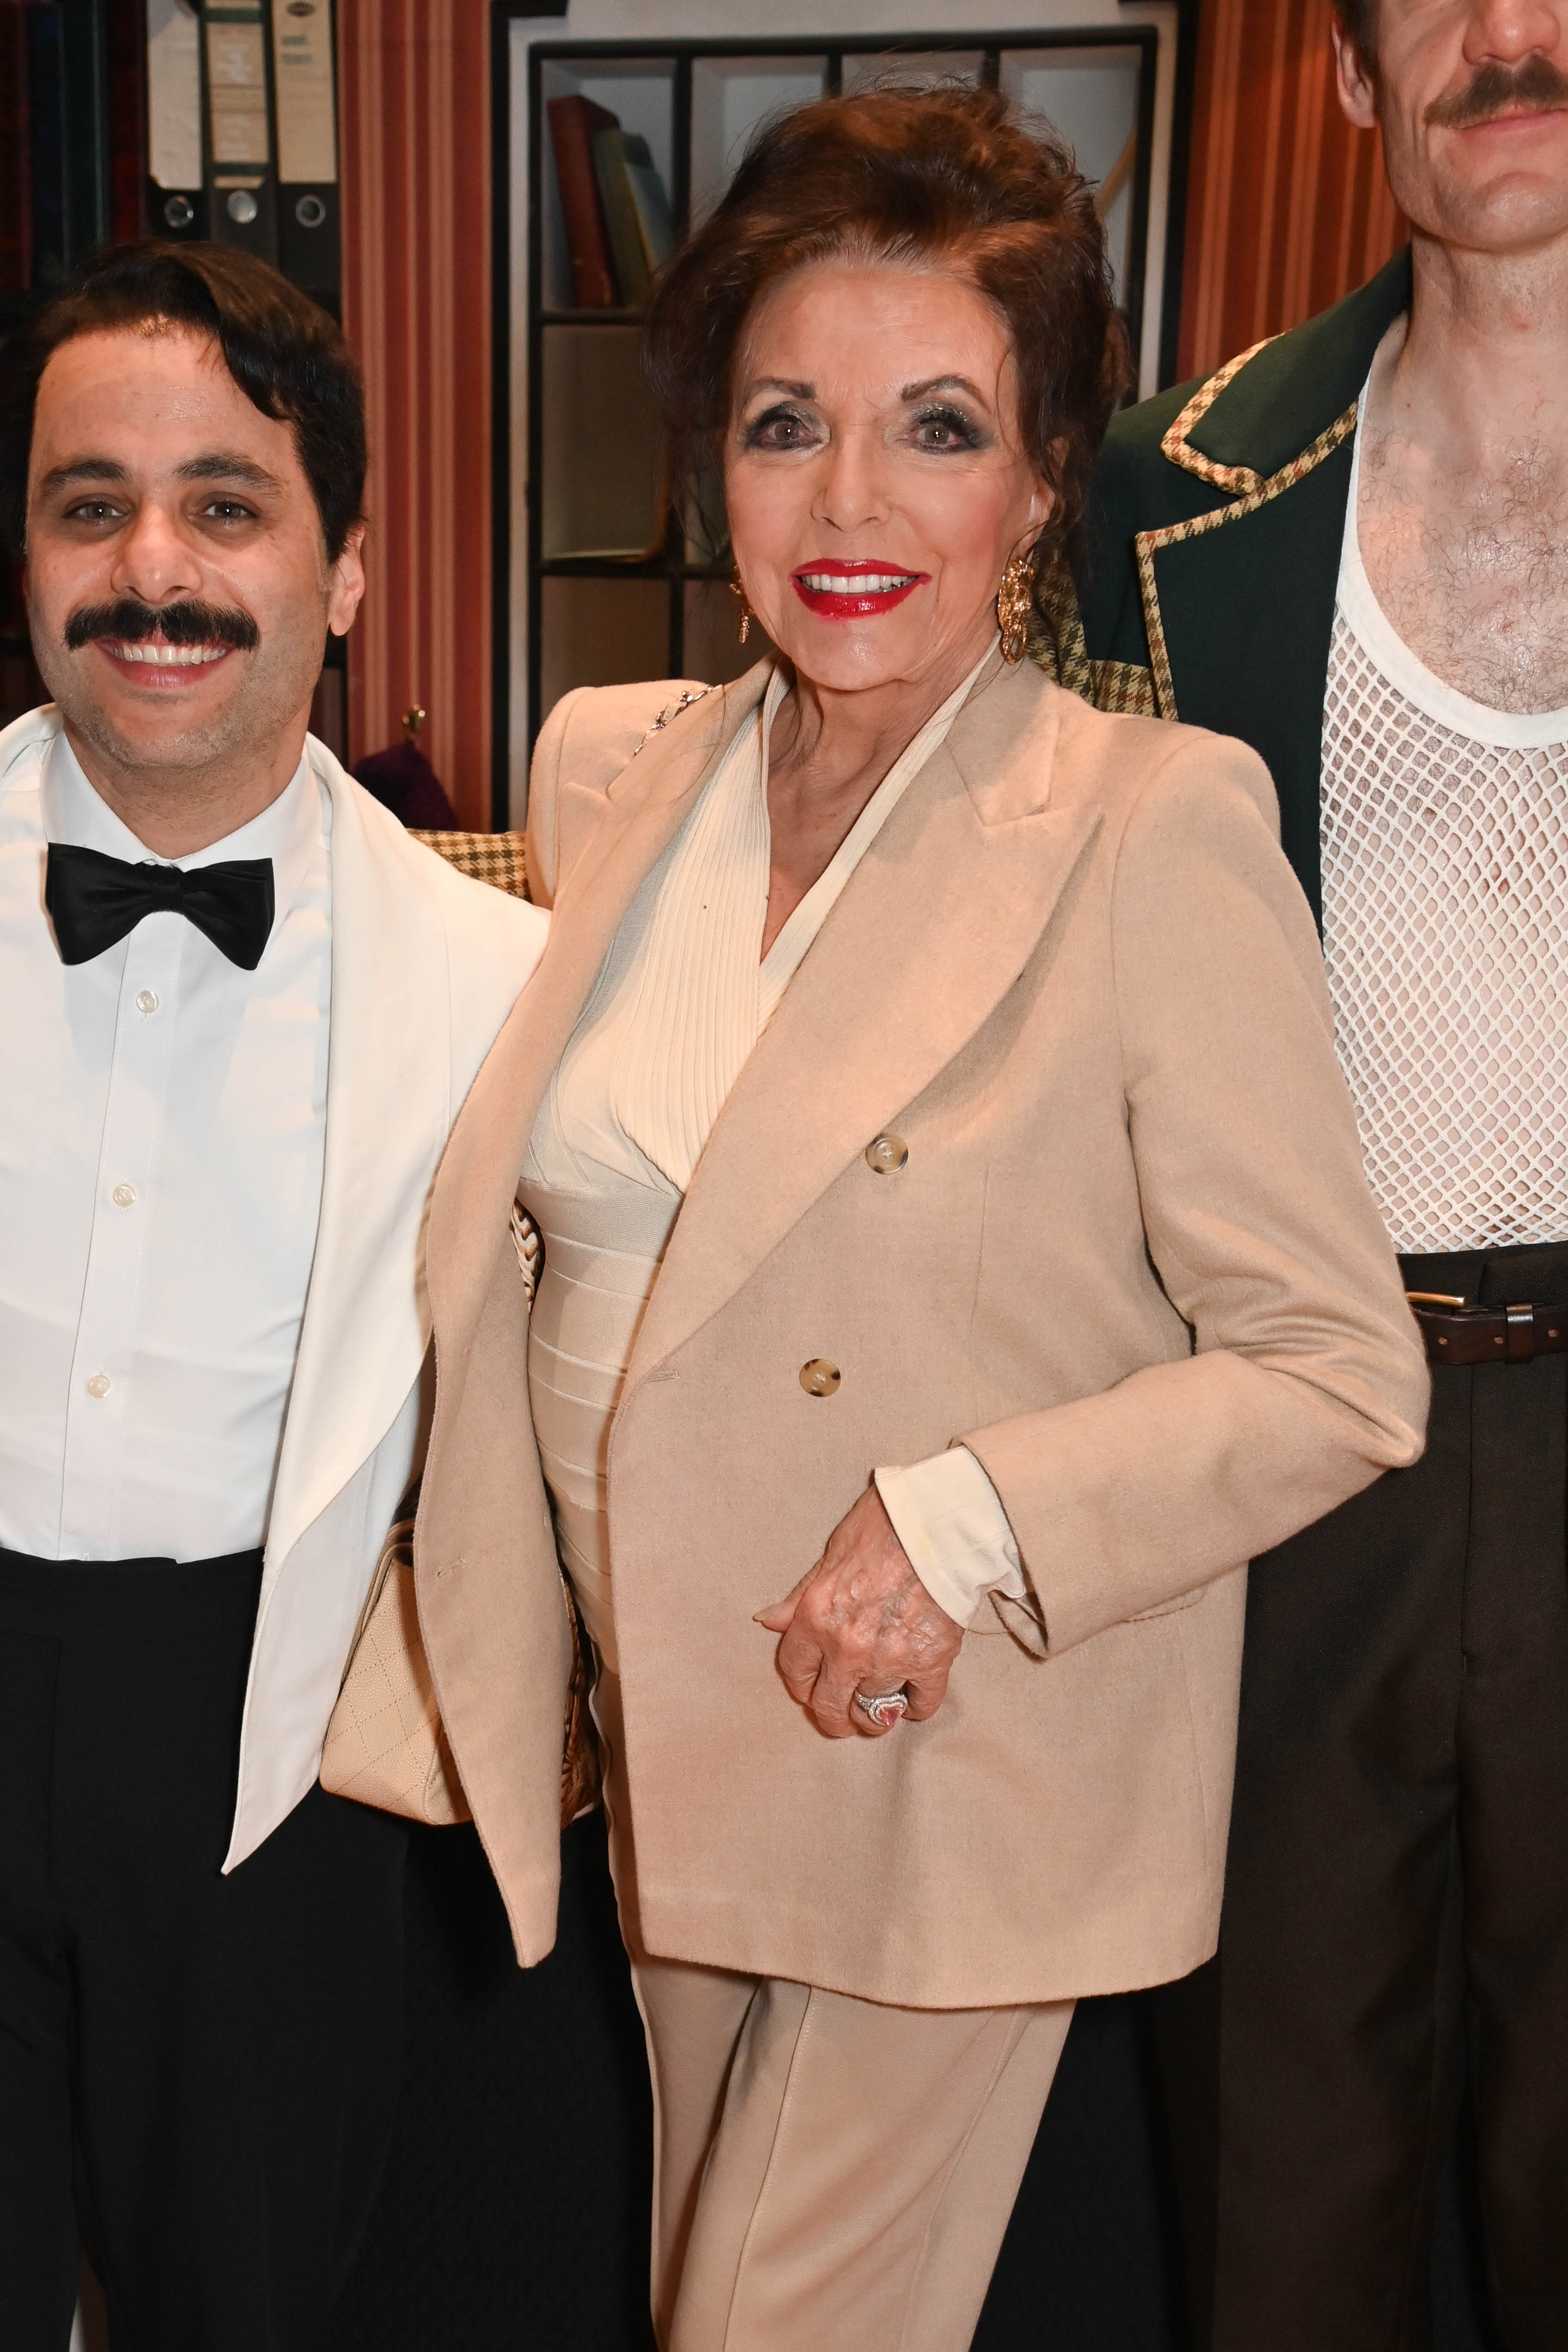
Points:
(936, 924)
(1238, 602)
(478, 1181)
(1246, 613)
(366, 1324)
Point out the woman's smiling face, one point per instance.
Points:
(874, 473)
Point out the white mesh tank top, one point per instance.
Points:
(1445, 857)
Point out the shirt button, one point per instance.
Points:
(99, 1385)
(887, 1155)
(819, 1378)
(123, 1195)
(147, 1002)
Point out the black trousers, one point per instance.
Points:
(197, 2073)
(1397, 1889)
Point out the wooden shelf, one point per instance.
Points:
(592, 318)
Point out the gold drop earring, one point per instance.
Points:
(747, 615)
(1014, 600)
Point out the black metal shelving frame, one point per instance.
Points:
(670, 564)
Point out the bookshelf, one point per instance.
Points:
(595, 583)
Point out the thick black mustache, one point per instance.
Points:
(130, 622)
(1535, 83)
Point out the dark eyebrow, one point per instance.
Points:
(212, 465)
(227, 466)
(942, 384)
(82, 469)
(781, 384)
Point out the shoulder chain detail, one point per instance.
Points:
(673, 711)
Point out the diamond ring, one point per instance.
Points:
(884, 1707)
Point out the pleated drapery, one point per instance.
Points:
(1288, 207)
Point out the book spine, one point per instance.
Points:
(304, 106)
(621, 219)
(653, 217)
(594, 284)
(241, 170)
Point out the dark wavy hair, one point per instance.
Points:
(1359, 19)
(288, 357)
(955, 174)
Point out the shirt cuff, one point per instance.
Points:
(948, 1517)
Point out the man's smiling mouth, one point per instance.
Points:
(164, 643)
(163, 656)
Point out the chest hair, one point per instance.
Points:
(1471, 569)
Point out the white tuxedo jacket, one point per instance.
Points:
(426, 964)
(426, 967)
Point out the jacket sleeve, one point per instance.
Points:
(543, 839)
(1307, 1379)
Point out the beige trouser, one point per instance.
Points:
(830, 2175)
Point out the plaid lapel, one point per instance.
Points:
(1234, 550)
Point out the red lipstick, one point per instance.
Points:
(854, 591)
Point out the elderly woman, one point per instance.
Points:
(957, 1262)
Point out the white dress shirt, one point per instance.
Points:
(161, 1158)
(678, 1006)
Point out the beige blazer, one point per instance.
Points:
(1131, 1261)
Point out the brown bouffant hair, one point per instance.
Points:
(952, 174)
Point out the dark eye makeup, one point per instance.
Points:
(779, 427)
(939, 426)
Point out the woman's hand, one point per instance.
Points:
(861, 1620)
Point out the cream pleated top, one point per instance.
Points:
(680, 1001)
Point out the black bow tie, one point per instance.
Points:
(95, 900)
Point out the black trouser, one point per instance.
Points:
(196, 2073)
(1398, 1863)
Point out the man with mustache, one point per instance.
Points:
(243, 1010)
(1350, 549)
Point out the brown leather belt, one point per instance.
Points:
(1455, 1333)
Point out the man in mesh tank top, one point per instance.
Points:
(1349, 548)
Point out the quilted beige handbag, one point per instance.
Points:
(386, 1745)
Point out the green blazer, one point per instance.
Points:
(1216, 517)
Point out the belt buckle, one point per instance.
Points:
(1433, 1308)
(1516, 1342)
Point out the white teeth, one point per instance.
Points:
(152, 649)
(859, 584)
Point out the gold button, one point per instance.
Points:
(887, 1155)
(819, 1378)
(99, 1385)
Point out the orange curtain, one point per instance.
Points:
(417, 307)
(1288, 207)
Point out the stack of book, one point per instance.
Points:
(619, 230)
